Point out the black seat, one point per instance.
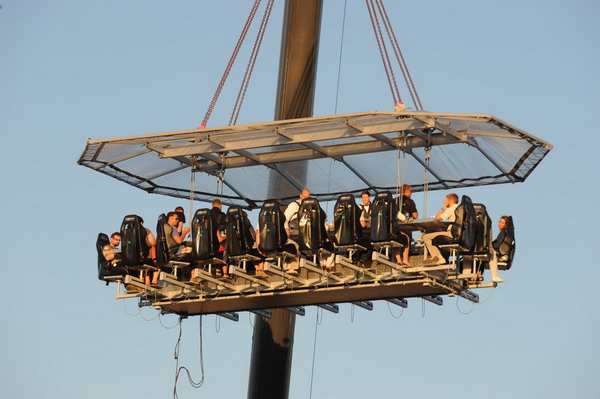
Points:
(239, 237)
(346, 219)
(463, 230)
(483, 230)
(134, 250)
(311, 226)
(271, 230)
(103, 264)
(202, 237)
(162, 248)
(383, 216)
(504, 245)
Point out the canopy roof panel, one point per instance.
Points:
(329, 155)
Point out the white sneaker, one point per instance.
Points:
(497, 280)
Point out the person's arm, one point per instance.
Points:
(440, 215)
(108, 253)
(289, 213)
(150, 240)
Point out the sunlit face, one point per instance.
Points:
(407, 192)
(115, 241)
(365, 198)
(304, 194)
(502, 224)
(173, 220)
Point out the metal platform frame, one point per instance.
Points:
(383, 280)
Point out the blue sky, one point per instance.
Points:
(70, 70)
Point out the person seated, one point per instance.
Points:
(365, 210)
(181, 216)
(175, 241)
(291, 215)
(112, 255)
(219, 225)
(150, 242)
(503, 225)
(447, 212)
(408, 210)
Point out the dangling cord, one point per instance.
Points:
(401, 167)
(179, 369)
(312, 372)
(337, 90)
(236, 50)
(194, 160)
(426, 180)
(221, 176)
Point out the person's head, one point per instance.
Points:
(366, 197)
(504, 222)
(305, 193)
(179, 209)
(172, 219)
(115, 239)
(217, 203)
(453, 198)
(406, 190)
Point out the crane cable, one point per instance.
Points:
(383, 52)
(374, 8)
(399, 56)
(232, 59)
(250, 66)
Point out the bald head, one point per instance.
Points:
(305, 193)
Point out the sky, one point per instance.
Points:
(72, 70)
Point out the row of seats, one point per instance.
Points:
(471, 232)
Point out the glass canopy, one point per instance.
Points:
(329, 155)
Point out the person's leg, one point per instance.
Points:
(493, 264)
(435, 256)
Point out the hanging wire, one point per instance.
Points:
(194, 160)
(127, 311)
(337, 90)
(458, 307)
(183, 368)
(312, 371)
(217, 323)
(391, 313)
(426, 180)
(165, 327)
(232, 59)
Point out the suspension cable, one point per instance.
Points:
(399, 56)
(337, 90)
(251, 62)
(375, 8)
(232, 59)
(383, 52)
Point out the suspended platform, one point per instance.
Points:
(338, 154)
(307, 285)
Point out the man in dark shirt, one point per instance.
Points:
(218, 236)
(408, 210)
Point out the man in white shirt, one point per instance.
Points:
(291, 214)
(446, 213)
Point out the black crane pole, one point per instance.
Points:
(273, 339)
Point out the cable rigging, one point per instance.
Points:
(377, 11)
